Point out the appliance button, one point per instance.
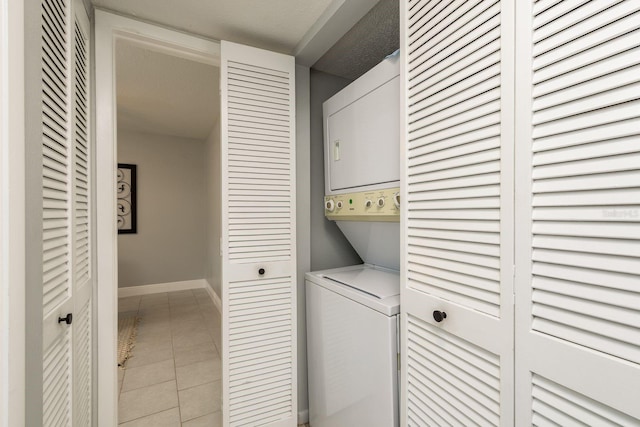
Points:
(329, 205)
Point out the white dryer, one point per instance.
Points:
(352, 346)
(352, 312)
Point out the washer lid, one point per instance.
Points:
(376, 288)
(377, 283)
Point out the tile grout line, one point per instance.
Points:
(175, 370)
(204, 318)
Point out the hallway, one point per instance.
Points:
(173, 377)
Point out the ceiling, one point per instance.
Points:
(277, 25)
(164, 94)
(367, 43)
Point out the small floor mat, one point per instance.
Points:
(127, 329)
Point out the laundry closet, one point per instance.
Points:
(515, 271)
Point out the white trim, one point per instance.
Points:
(156, 288)
(214, 297)
(108, 29)
(303, 225)
(303, 416)
(12, 214)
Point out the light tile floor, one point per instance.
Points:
(173, 376)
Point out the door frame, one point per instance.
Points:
(12, 214)
(109, 29)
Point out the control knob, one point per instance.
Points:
(380, 202)
(368, 203)
(329, 205)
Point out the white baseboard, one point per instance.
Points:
(303, 416)
(132, 291)
(214, 297)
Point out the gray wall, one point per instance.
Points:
(320, 244)
(213, 261)
(171, 206)
(303, 231)
(329, 247)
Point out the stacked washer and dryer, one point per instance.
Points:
(352, 312)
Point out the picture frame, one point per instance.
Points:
(126, 208)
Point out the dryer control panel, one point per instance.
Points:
(375, 205)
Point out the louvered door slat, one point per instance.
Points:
(615, 51)
(458, 203)
(59, 366)
(83, 342)
(580, 163)
(259, 328)
(554, 404)
(55, 166)
(82, 374)
(600, 172)
(250, 298)
(468, 33)
(56, 396)
(474, 378)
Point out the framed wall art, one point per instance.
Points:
(126, 193)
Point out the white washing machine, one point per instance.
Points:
(352, 312)
(352, 346)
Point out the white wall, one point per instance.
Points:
(12, 215)
(329, 247)
(213, 261)
(170, 243)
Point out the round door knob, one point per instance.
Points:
(261, 271)
(67, 319)
(439, 316)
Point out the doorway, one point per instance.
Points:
(168, 142)
(167, 269)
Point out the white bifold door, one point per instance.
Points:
(457, 221)
(59, 276)
(258, 243)
(578, 212)
(522, 213)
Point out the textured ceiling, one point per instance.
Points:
(164, 94)
(375, 36)
(269, 24)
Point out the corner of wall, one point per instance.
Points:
(213, 184)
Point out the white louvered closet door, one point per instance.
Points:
(458, 217)
(82, 234)
(578, 236)
(66, 256)
(258, 228)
